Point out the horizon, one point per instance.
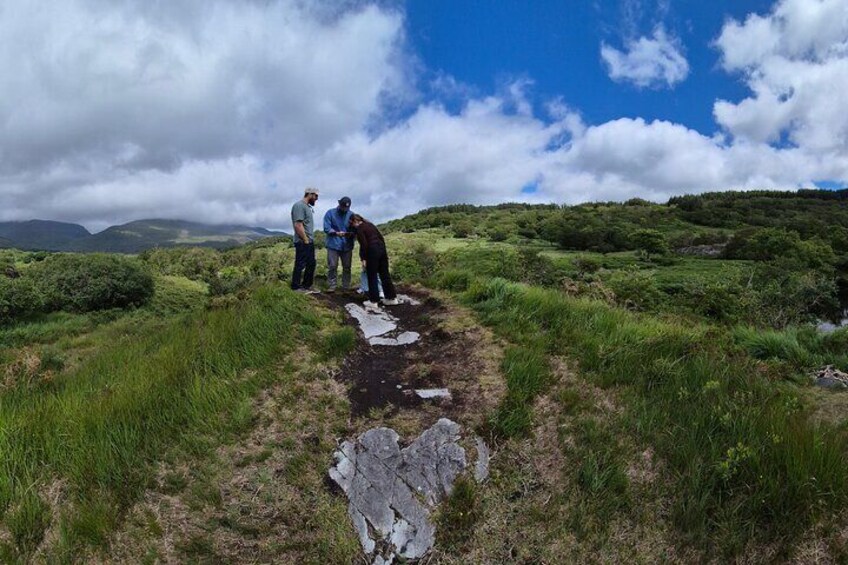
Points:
(515, 202)
(220, 112)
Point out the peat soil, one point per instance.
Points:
(384, 378)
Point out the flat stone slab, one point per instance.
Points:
(406, 338)
(372, 323)
(391, 490)
(427, 393)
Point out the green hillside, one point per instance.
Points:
(132, 237)
(641, 371)
(41, 234)
(137, 236)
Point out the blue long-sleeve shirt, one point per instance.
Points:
(334, 222)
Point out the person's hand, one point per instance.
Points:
(341, 233)
(363, 263)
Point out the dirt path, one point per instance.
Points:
(450, 354)
(266, 497)
(408, 368)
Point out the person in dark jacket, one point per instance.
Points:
(375, 260)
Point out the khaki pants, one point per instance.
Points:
(333, 257)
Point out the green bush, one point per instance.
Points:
(635, 289)
(463, 229)
(416, 265)
(229, 280)
(83, 283)
(19, 298)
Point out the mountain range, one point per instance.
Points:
(132, 237)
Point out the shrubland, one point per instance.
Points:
(618, 342)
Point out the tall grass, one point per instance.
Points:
(746, 462)
(98, 429)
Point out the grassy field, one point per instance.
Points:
(649, 432)
(95, 430)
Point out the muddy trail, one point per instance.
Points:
(269, 496)
(408, 376)
(439, 370)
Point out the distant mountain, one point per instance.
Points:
(41, 234)
(132, 237)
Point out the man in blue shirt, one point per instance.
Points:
(339, 244)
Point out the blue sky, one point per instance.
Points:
(222, 111)
(556, 44)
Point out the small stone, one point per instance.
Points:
(481, 468)
(426, 393)
(831, 377)
(406, 338)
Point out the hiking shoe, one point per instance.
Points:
(307, 291)
(391, 302)
(371, 305)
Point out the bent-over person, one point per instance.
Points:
(375, 260)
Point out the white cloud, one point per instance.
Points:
(648, 61)
(151, 85)
(795, 61)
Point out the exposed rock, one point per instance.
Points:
(406, 299)
(386, 486)
(372, 323)
(831, 377)
(427, 393)
(406, 338)
(481, 468)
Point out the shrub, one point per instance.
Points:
(229, 280)
(635, 289)
(498, 233)
(463, 229)
(83, 283)
(650, 242)
(418, 264)
(586, 265)
(19, 298)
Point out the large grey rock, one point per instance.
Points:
(390, 490)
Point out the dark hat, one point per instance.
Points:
(344, 202)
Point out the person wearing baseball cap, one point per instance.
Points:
(302, 216)
(339, 243)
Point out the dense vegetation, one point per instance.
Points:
(695, 321)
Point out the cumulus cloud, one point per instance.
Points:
(221, 111)
(144, 85)
(648, 61)
(795, 61)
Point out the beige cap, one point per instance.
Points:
(310, 190)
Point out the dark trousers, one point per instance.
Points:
(377, 265)
(304, 265)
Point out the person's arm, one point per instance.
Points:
(363, 244)
(298, 217)
(301, 231)
(328, 224)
